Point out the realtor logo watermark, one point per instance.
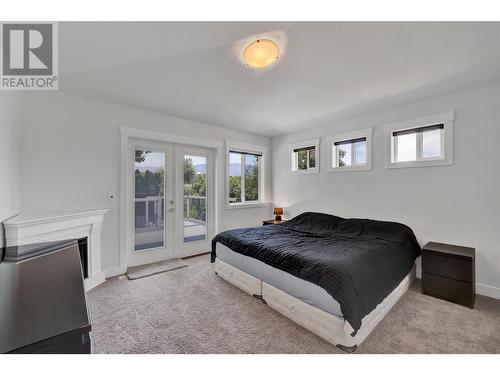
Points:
(29, 59)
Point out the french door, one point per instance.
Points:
(170, 191)
(195, 186)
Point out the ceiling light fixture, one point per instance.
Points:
(261, 53)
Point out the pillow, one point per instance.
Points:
(318, 222)
(375, 229)
(315, 222)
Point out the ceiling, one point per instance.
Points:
(328, 70)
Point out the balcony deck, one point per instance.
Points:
(150, 237)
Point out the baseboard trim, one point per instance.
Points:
(114, 271)
(93, 281)
(488, 290)
(196, 255)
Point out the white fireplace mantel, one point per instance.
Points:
(35, 227)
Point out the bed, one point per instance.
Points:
(336, 277)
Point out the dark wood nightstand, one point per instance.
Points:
(270, 222)
(448, 272)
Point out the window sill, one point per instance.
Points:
(350, 169)
(304, 171)
(246, 205)
(420, 163)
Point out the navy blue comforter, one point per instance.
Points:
(358, 262)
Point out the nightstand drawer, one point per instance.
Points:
(451, 290)
(454, 268)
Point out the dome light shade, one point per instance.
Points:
(261, 53)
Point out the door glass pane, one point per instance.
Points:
(431, 142)
(251, 178)
(360, 149)
(344, 155)
(149, 199)
(234, 177)
(407, 147)
(195, 198)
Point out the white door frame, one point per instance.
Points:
(185, 249)
(126, 134)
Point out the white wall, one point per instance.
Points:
(9, 158)
(458, 204)
(71, 158)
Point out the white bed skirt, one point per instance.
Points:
(328, 326)
(242, 280)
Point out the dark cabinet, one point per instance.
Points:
(448, 272)
(42, 296)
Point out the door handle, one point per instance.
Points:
(171, 206)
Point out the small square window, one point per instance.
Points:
(350, 151)
(305, 156)
(426, 141)
(422, 143)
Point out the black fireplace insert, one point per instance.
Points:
(83, 247)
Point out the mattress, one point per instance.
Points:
(328, 326)
(303, 290)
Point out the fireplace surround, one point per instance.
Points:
(84, 225)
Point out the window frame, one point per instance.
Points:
(347, 136)
(248, 149)
(294, 160)
(390, 141)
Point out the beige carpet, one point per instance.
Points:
(191, 310)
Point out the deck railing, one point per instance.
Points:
(187, 207)
(154, 214)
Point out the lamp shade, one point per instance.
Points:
(261, 53)
(278, 211)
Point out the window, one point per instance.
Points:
(195, 197)
(426, 141)
(245, 176)
(350, 151)
(305, 156)
(149, 188)
(422, 143)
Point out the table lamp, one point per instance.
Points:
(278, 211)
